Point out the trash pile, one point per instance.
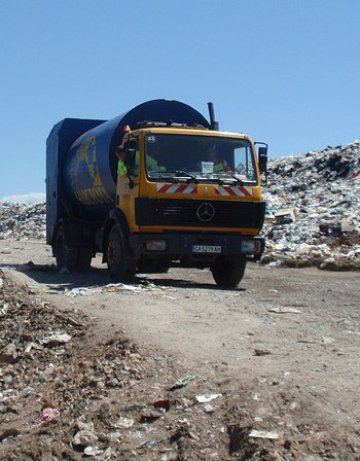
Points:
(313, 209)
(22, 222)
(144, 285)
(67, 392)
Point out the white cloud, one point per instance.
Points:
(31, 198)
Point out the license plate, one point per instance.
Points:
(206, 249)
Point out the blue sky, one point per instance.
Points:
(284, 71)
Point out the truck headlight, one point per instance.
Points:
(156, 245)
(248, 247)
(258, 247)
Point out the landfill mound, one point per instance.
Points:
(313, 205)
(69, 392)
(22, 222)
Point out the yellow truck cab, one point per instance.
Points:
(191, 197)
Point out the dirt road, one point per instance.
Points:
(284, 345)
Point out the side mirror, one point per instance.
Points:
(262, 153)
(131, 147)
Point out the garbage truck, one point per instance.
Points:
(187, 194)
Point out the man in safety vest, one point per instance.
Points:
(151, 163)
(121, 167)
(220, 164)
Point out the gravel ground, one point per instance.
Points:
(86, 367)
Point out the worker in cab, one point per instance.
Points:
(153, 166)
(121, 167)
(151, 163)
(220, 164)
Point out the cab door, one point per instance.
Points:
(127, 188)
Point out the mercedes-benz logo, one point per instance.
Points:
(205, 212)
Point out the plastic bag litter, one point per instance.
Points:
(123, 423)
(257, 434)
(81, 291)
(119, 287)
(110, 288)
(184, 381)
(206, 398)
(48, 414)
(284, 310)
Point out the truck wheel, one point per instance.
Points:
(228, 273)
(66, 257)
(121, 264)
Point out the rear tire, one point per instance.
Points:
(66, 257)
(228, 273)
(120, 261)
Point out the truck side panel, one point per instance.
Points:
(58, 142)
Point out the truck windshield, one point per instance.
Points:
(199, 157)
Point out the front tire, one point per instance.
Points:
(228, 273)
(120, 261)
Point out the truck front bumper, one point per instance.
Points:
(195, 245)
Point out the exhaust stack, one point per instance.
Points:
(213, 123)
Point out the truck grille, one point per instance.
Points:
(195, 213)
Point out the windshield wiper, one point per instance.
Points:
(162, 176)
(226, 178)
(232, 177)
(176, 177)
(187, 175)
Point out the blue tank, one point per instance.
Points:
(89, 167)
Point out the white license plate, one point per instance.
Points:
(206, 249)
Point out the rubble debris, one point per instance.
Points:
(123, 423)
(101, 386)
(56, 339)
(22, 222)
(93, 451)
(11, 432)
(286, 216)
(41, 365)
(150, 414)
(261, 352)
(313, 209)
(155, 410)
(208, 408)
(148, 444)
(84, 438)
(162, 405)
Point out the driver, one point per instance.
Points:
(220, 164)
